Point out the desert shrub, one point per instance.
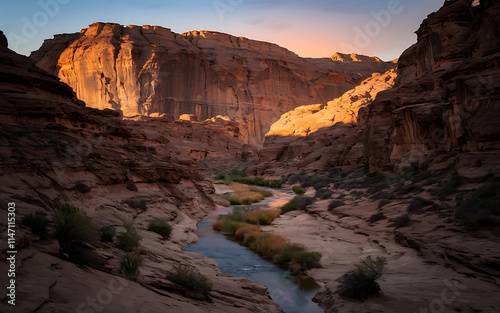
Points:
(276, 183)
(323, 194)
(303, 202)
(448, 188)
(107, 233)
(287, 254)
(221, 175)
(261, 217)
(265, 244)
(421, 176)
(417, 204)
(383, 203)
(230, 226)
(217, 225)
(241, 233)
(481, 208)
(140, 204)
(306, 260)
(300, 177)
(190, 279)
(129, 239)
(73, 227)
(383, 195)
(360, 282)
(377, 217)
(317, 182)
(298, 190)
(160, 227)
(264, 192)
(291, 205)
(129, 265)
(36, 222)
(335, 204)
(401, 221)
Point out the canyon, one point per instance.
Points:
(132, 123)
(150, 69)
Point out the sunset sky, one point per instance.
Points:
(316, 28)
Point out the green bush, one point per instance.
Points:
(191, 280)
(288, 253)
(73, 227)
(323, 194)
(129, 265)
(265, 193)
(298, 190)
(291, 205)
(36, 222)
(160, 227)
(107, 233)
(307, 260)
(361, 282)
(129, 239)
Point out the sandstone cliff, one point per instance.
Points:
(444, 108)
(55, 150)
(149, 69)
(317, 136)
(442, 112)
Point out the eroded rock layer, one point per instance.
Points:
(149, 69)
(444, 108)
(54, 150)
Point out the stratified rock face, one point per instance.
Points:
(54, 150)
(149, 69)
(314, 137)
(445, 106)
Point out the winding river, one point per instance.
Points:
(293, 293)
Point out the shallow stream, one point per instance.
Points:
(293, 293)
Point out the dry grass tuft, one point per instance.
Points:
(246, 229)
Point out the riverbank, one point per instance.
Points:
(416, 279)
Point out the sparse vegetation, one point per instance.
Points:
(304, 202)
(323, 194)
(161, 227)
(481, 208)
(73, 227)
(377, 217)
(417, 204)
(239, 176)
(291, 205)
(129, 239)
(383, 203)
(246, 229)
(448, 188)
(190, 279)
(298, 190)
(140, 204)
(360, 282)
(246, 195)
(335, 204)
(265, 244)
(107, 233)
(36, 222)
(400, 221)
(261, 217)
(129, 266)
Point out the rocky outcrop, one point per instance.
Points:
(316, 136)
(150, 69)
(54, 150)
(444, 107)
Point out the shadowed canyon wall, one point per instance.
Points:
(149, 69)
(441, 113)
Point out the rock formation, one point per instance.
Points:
(54, 150)
(444, 107)
(317, 136)
(441, 113)
(149, 69)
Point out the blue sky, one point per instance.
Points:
(316, 28)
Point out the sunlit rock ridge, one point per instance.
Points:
(150, 69)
